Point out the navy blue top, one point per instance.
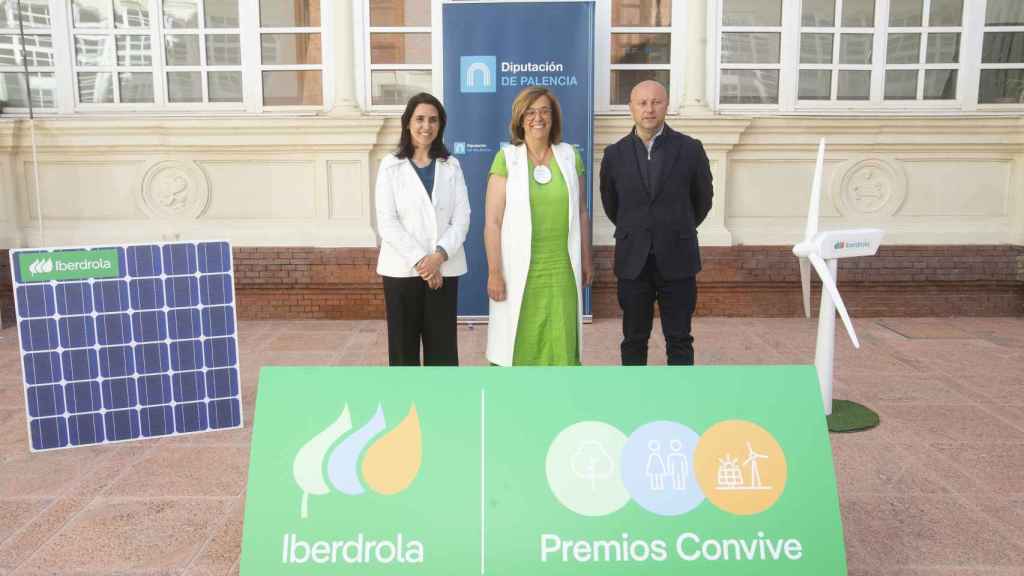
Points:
(426, 175)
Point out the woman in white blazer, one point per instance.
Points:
(537, 238)
(422, 219)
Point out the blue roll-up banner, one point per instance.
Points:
(491, 52)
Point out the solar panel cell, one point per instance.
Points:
(190, 417)
(186, 355)
(143, 261)
(83, 396)
(220, 352)
(156, 420)
(179, 259)
(155, 389)
(34, 300)
(116, 361)
(222, 383)
(122, 425)
(215, 289)
(85, 429)
(41, 368)
(74, 298)
(119, 393)
(146, 294)
(149, 326)
(46, 400)
(80, 364)
(188, 386)
(184, 323)
(76, 331)
(112, 329)
(225, 413)
(151, 358)
(39, 334)
(182, 291)
(110, 296)
(214, 257)
(218, 321)
(46, 433)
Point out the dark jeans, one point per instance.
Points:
(415, 313)
(676, 299)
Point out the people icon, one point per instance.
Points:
(678, 465)
(656, 469)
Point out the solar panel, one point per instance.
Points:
(122, 343)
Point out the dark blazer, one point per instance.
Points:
(664, 215)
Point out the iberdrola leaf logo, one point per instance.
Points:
(389, 464)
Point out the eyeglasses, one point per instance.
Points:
(532, 113)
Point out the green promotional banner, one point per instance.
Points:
(596, 470)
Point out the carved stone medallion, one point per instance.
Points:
(872, 187)
(175, 189)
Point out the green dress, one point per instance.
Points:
(546, 334)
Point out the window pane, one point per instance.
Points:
(399, 13)
(901, 85)
(1004, 13)
(184, 87)
(946, 13)
(131, 13)
(855, 48)
(223, 50)
(12, 89)
(749, 87)
(136, 87)
(904, 49)
(859, 13)
(290, 48)
(816, 48)
(1001, 87)
(39, 50)
(292, 88)
(397, 86)
(1003, 47)
(819, 13)
(854, 85)
(815, 84)
(944, 48)
(181, 14)
(95, 87)
(399, 48)
(94, 50)
(134, 50)
(641, 13)
(905, 12)
(940, 84)
(750, 47)
(641, 48)
(91, 13)
(623, 81)
(291, 13)
(225, 86)
(222, 13)
(752, 12)
(36, 14)
(181, 49)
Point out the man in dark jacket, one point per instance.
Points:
(656, 189)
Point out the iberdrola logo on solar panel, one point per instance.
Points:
(69, 265)
(391, 462)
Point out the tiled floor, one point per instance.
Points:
(938, 488)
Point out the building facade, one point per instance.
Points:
(262, 122)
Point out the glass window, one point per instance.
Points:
(291, 52)
(400, 50)
(751, 50)
(1001, 80)
(923, 49)
(37, 51)
(835, 61)
(640, 46)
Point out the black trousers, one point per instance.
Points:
(676, 299)
(416, 313)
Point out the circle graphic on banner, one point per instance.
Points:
(657, 468)
(583, 468)
(740, 467)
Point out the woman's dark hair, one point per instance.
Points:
(437, 147)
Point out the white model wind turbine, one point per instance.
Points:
(823, 251)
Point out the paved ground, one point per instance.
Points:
(937, 489)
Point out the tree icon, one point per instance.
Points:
(592, 462)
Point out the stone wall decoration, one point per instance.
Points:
(869, 188)
(175, 189)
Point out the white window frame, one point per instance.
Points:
(249, 30)
(969, 65)
(602, 54)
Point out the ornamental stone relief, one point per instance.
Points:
(870, 187)
(175, 189)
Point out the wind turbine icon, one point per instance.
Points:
(755, 475)
(822, 250)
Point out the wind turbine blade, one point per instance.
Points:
(828, 283)
(805, 282)
(814, 209)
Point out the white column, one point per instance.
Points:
(344, 33)
(696, 57)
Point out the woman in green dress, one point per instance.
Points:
(537, 239)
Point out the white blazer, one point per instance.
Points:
(516, 239)
(411, 224)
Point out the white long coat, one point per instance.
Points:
(516, 234)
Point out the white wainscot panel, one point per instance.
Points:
(272, 189)
(82, 190)
(774, 188)
(349, 192)
(957, 187)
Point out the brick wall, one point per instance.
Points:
(340, 283)
(6, 291)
